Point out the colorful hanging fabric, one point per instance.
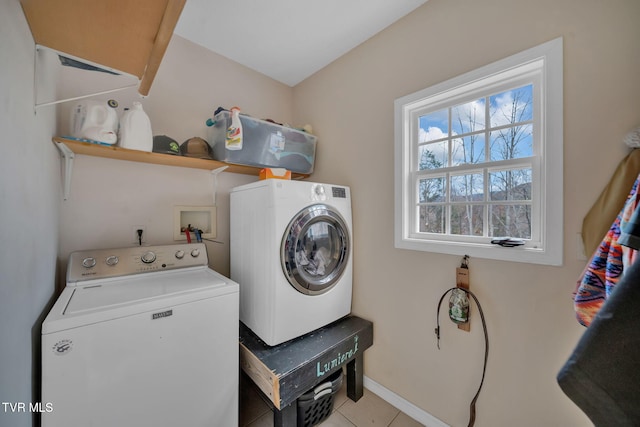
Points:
(605, 267)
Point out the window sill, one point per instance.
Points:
(488, 251)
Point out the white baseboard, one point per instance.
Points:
(404, 405)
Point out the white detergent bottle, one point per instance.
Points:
(135, 129)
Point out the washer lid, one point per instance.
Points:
(106, 299)
(105, 294)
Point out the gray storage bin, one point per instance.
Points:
(264, 144)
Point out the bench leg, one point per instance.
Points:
(355, 376)
(286, 417)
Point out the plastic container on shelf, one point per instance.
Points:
(264, 144)
(95, 120)
(135, 129)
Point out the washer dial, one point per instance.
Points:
(148, 257)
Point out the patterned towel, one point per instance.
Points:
(605, 267)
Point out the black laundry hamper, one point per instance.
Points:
(316, 405)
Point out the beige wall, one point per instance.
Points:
(29, 213)
(528, 307)
(108, 197)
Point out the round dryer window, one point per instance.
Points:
(315, 248)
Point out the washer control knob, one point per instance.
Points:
(88, 262)
(112, 260)
(180, 254)
(195, 253)
(148, 257)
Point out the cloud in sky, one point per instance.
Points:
(502, 105)
(468, 117)
(430, 134)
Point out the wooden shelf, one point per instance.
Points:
(118, 153)
(69, 148)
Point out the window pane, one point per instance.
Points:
(432, 156)
(511, 184)
(469, 149)
(467, 187)
(510, 221)
(467, 117)
(512, 143)
(510, 107)
(432, 219)
(434, 126)
(466, 220)
(431, 190)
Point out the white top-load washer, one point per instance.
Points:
(142, 336)
(291, 253)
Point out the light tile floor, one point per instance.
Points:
(370, 410)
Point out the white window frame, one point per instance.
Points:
(540, 65)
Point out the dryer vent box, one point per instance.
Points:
(196, 217)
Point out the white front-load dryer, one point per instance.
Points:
(291, 254)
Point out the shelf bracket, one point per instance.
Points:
(67, 156)
(45, 58)
(214, 174)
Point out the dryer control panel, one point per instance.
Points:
(103, 263)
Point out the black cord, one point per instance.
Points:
(214, 241)
(472, 406)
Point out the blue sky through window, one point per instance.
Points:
(506, 111)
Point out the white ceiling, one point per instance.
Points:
(287, 40)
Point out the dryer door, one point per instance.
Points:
(315, 249)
